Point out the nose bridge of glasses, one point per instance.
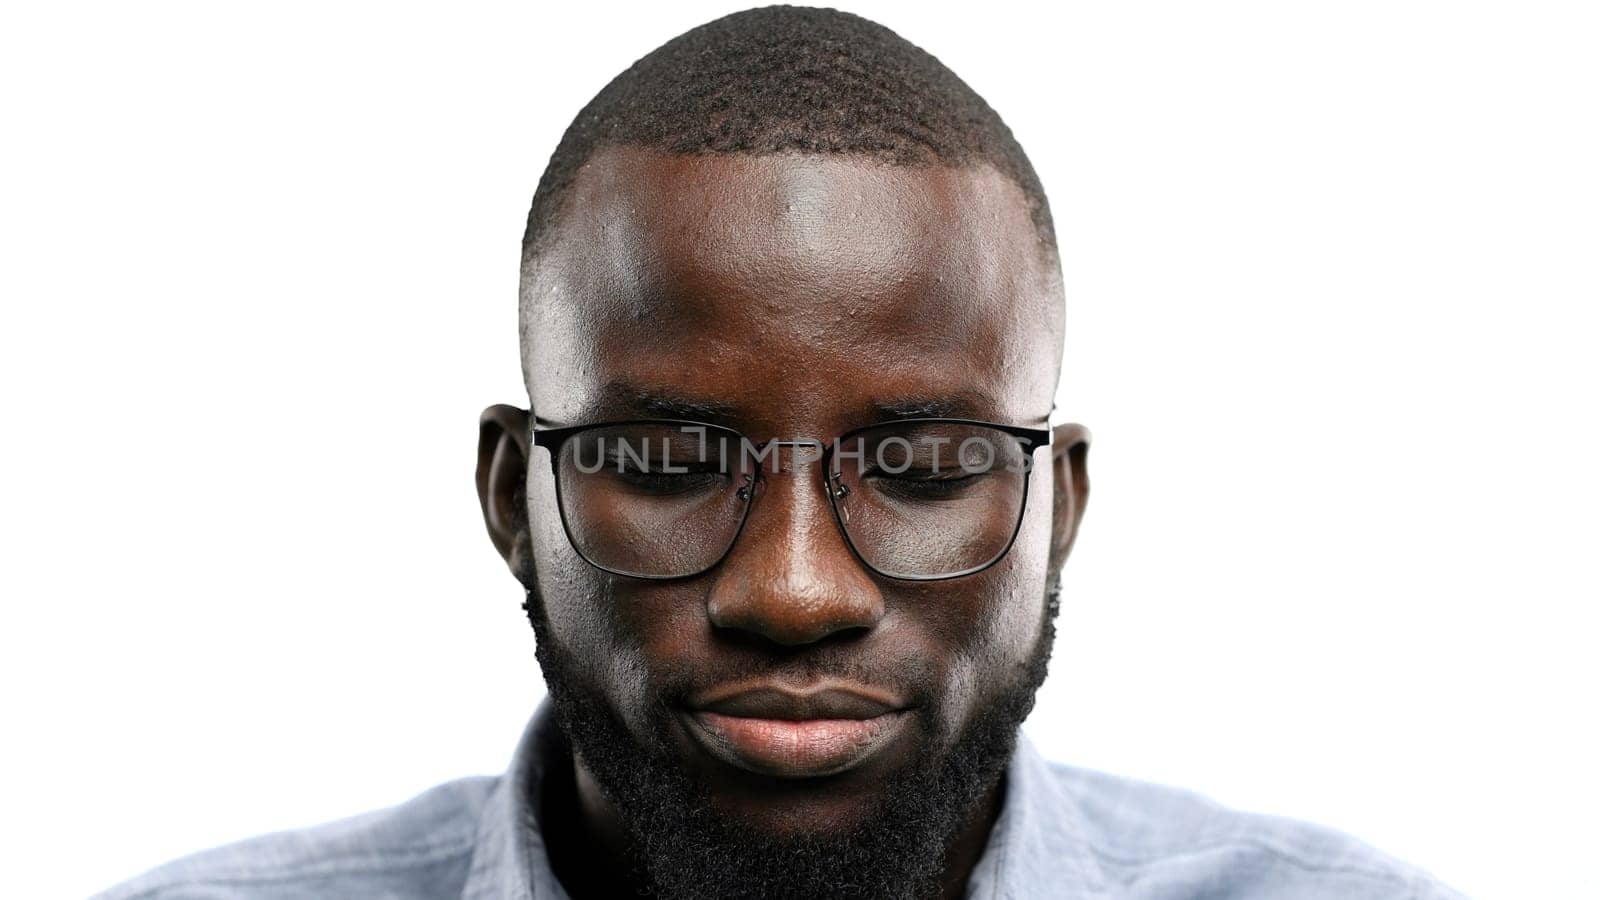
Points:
(792, 457)
(790, 527)
(777, 456)
(790, 519)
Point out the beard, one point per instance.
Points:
(682, 847)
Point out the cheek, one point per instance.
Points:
(581, 608)
(1002, 618)
(1019, 616)
(570, 585)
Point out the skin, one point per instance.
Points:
(790, 296)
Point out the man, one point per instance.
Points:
(790, 514)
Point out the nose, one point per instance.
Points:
(790, 578)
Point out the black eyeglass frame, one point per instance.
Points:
(552, 439)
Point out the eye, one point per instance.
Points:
(668, 482)
(925, 484)
(667, 478)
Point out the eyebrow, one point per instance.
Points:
(941, 407)
(620, 398)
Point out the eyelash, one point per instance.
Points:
(677, 481)
(926, 486)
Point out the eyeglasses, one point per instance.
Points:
(916, 499)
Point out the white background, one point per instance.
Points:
(1332, 303)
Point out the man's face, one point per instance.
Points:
(794, 297)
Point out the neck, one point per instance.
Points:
(592, 859)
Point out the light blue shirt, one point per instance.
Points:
(1063, 833)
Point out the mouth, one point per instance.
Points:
(774, 731)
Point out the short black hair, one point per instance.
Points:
(790, 79)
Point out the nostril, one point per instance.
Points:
(774, 633)
(787, 612)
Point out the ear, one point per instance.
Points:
(1069, 462)
(503, 479)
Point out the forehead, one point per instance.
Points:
(790, 291)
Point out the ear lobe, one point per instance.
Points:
(1069, 464)
(502, 478)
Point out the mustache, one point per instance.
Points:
(906, 673)
(910, 675)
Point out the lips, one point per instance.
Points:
(773, 730)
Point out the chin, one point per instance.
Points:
(819, 810)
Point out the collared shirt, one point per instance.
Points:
(1062, 833)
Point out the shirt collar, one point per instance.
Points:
(1037, 842)
(509, 861)
(1038, 845)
